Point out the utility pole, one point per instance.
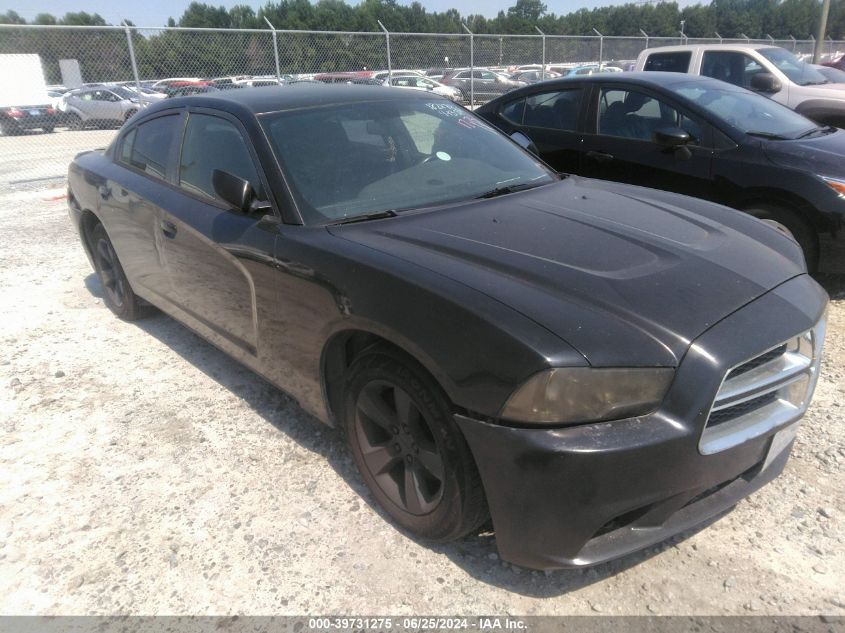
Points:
(817, 49)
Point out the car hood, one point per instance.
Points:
(824, 155)
(830, 91)
(625, 275)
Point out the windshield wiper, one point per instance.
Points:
(389, 213)
(827, 130)
(501, 191)
(769, 135)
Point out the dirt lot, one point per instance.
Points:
(142, 471)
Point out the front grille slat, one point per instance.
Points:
(764, 392)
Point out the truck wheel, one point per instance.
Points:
(791, 224)
(118, 294)
(408, 448)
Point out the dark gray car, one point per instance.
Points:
(485, 84)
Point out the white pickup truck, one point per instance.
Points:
(766, 69)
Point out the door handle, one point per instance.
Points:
(602, 157)
(168, 228)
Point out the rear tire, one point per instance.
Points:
(793, 225)
(408, 449)
(117, 293)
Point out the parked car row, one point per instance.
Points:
(691, 135)
(595, 366)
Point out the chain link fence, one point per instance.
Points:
(72, 57)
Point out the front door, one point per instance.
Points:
(211, 250)
(623, 148)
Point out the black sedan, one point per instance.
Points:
(594, 365)
(691, 135)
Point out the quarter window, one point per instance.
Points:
(213, 143)
(147, 147)
(636, 115)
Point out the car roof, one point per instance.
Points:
(298, 95)
(710, 47)
(645, 78)
(642, 78)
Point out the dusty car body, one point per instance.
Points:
(597, 365)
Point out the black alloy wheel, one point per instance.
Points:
(119, 296)
(405, 441)
(398, 447)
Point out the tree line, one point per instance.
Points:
(730, 18)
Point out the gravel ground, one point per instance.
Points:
(144, 472)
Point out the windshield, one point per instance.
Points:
(833, 75)
(797, 71)
(355, 159)
(123, 93)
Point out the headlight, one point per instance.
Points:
(837, 184)
(582, 394)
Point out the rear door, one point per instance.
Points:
(551, 119)
(131, 201)
(211, 250)
(620, 146)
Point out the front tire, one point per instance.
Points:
(793, 225)
(408, 449)
(117, 293)
(74, 121)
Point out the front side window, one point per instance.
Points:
(432, 152)
(636, 115)
(213, 143)
(735, 68)
(147, 146)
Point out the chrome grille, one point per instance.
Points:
(764, 392)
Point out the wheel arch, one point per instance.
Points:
(786, 200)
(87, 221)
(344, 346)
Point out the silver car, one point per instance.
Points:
(424, 83)
(99, 106)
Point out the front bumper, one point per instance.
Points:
(582, 495)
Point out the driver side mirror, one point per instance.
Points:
(525, 143)
(676, 139)
(765, 82)
(237, 191)
(671, 136)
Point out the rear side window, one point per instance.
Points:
(556, 110)
(677, 62)
(214, 143)
(147, 146)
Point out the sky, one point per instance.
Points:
(156, 12)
